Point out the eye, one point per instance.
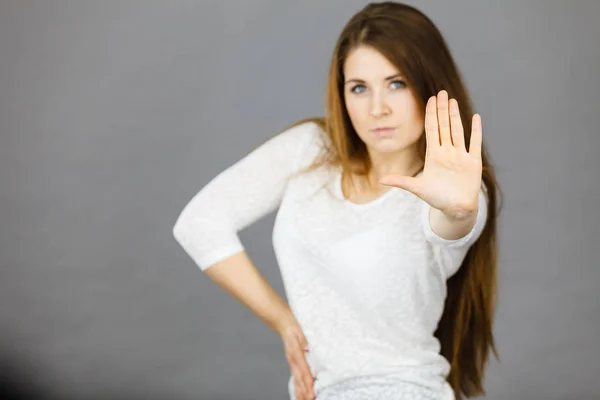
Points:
(353, 90)
(398, 84)
(401, 84)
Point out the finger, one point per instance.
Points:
(303, 344)
(303, 390)
(431, 125)
(443, 116)
(299, 360)
(298, 392)
(476, 136)
(301, 339)
(303, 373)
(296, 372)
(456, 126)
(299, 388)
(411, 184)
(309, 382)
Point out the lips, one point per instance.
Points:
(383, 131)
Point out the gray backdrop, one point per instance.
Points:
(114, 113)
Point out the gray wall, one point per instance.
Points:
(114, 113)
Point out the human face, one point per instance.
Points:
(376, 96)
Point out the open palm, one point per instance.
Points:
(451, 177)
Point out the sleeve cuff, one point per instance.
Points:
(210, 259)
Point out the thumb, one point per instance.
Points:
(302, 339)
(403, 182)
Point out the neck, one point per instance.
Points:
(407, 162)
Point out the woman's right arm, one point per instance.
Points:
(207, 229)
(239, 277)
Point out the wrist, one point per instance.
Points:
(458, 215)
(285, 320)
(460, 211)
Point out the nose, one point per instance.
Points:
(379, 105)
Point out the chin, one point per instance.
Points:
(389, 145)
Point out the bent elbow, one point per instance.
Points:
(181, 229)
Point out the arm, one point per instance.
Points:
(239, 277)
(450, 227)
(451, 178)
(207, 227)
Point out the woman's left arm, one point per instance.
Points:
(451, 183)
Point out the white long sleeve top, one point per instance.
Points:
(366, 282)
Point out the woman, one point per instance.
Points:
(385, 231)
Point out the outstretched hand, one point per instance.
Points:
(451, 177)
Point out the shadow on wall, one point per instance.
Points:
(20, 380)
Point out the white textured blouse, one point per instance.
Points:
(366, 282)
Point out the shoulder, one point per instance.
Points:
(290, 142)
(307, 131)
(311, 141)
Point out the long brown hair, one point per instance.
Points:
(411, 42)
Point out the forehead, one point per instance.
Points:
(367, 63)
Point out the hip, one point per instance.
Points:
(378, 388)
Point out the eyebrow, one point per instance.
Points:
(361, 81)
